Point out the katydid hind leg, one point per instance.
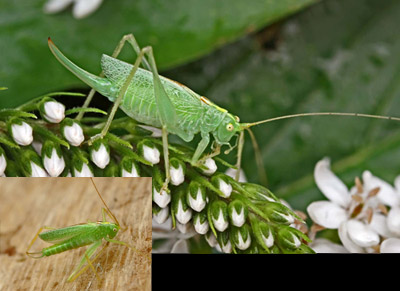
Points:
(86, 258)
(126, 38)
(121, 95)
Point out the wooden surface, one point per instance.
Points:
(26, 204)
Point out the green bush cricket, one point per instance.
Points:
(75, 236)
(160, 102)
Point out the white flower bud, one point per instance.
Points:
(390, 245)
(151, 154)
(211, 165)
(54, 112)
(225, 188)
(177, 175)
(100, 157)
(201, 228)
(211, 239)
(74, 134)
(22, 133)
(227, 247)
(55, 164)
(184, 228)
(220, 223)
(161, 199)
(243, 244)
(197, 204)
(238, 219)
(269, 240)
(181, 215)
(85, 172)
(162, 215)
(37, 171)
(133, 173)
(3, 164)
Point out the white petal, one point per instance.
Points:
(346, 241)
(74, 134)
(393, 220)
(37, 171)
(243, 245)
(83, 8)
(22, 134)
(386, 195)
(181, 215)
(220, 224)
(177, 175)
(101, 157)
(397, 184)
(201, 228)
(54, 6)
(197, 204)
(330, 185)
(321, 245)
(37, 146)
(390, 245)
(54, 112)
(238, 219)
(3, 164)
(151, 154)
(211, 165)
(379, 224)
(54, 165)
(162, 215)
(162, 199)
(85, 171)
(362, 234)
(180, 247)
(232, 173)
(327, 214)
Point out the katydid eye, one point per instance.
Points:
(115, 230)
(229, 127)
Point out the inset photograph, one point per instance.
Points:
(75, 233)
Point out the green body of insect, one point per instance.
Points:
(193, 113)
(76, 236)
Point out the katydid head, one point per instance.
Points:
(111, 229)
(228, 127)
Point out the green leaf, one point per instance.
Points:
(80, 109)
(178, 30)
(341, 56)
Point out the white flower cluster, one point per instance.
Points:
(367, 216)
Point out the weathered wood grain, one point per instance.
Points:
(26, 204)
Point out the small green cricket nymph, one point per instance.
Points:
(79, 235)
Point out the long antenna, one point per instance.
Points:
(247, 125)
(108, 209)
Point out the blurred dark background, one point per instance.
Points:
(258, 59)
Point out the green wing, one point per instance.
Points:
(62, 234)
